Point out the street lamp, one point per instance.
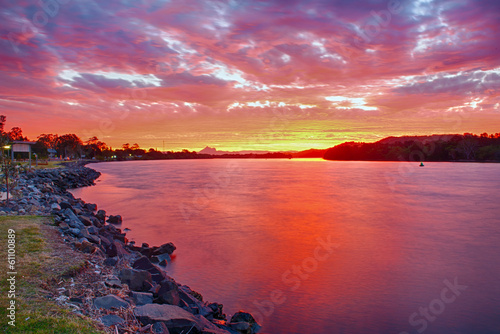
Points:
(5, 147)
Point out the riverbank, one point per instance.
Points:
(133, 291)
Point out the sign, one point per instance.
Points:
(21, 148)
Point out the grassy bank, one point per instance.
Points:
(42, 262)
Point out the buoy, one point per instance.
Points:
(421, 164)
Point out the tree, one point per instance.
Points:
(16, 134)
(468, 147)
(2, 122)
(94, 147)
(48, 140)
(70, 144)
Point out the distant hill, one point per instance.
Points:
(392, 140)
(466, 147)
(311, 153)
(213, 151)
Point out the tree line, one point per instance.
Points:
(466, 147)
(71, 146)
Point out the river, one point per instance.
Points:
(313, 246)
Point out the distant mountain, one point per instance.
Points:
(213, 151)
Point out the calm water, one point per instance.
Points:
(312, 246)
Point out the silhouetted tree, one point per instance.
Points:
(69, 145)
(16, 134)
(48, 140)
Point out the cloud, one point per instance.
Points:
(196, 59)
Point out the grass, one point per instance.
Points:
(41, 260)
(41, 164)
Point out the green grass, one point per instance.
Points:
(40, 259)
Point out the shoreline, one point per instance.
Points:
(156, 300)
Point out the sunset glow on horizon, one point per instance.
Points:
(249, 75)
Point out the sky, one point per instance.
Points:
(249, 75)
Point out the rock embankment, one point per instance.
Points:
(156, 300)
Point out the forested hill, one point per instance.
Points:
(466, 147)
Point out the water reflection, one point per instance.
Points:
(252, 221)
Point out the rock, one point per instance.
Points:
(121, 237)
(137, 280)
(113, 282)
(143, 263)
(244, 323)
(162, 259)
(75, 232)
(111, 320)
(168, 248)
(101, 215)
(116, 249)
(195, 305)
(93, 230)
(159, 328)
(73, 219)
(110, 301)
(90, 237)
(66, 205)
(90, 207)
(115, 219)
(63, 226)
(217, 312)
(85, 220)
(55, 206)
(141, 298)
(242, 327)
(111, 250)
(208, 327)
(111, 261)
(175, 318)
(85, 246)
(168, 292)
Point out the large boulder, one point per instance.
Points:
(101, 215)
(55, 207)
(168, 292)
(137, 280)
(115, 219)
(177, 320)
(116, 248)
(90, 207)
(143, 263)
(160, 328)
(65, 205)
(85, 220)
(73, 219)
(110, 301)
(141, 298)
(111, 320)
(167, 248)
(244, 323)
